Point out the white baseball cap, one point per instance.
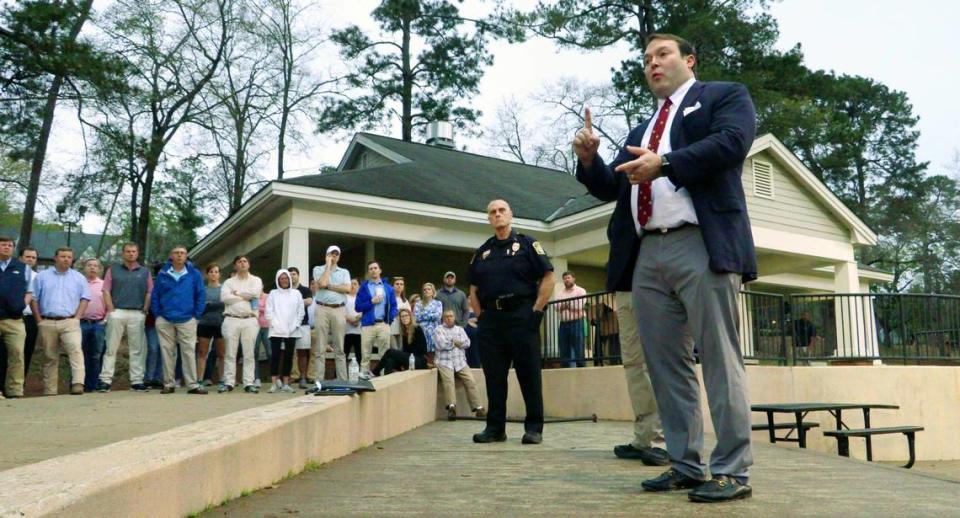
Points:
(333, 248)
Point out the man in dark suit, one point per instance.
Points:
(680, 240)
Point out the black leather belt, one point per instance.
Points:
(664, 231)
(59, 318)
(88, 321)
(11, 318)
(506, 303)
(331, 305)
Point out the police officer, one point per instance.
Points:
(511, 280)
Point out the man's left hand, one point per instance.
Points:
(644, 168)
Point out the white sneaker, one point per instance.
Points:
(273, 389)
(287, 389)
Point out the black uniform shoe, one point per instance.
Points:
(720, 489)
(670, 480)
(103, 387)
(198, 390)
(648, 456)
(167, 390)
(136, 387)
(451, 412)
(532, 438)
(488, 436)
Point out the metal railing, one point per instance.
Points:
(581, 331)
(891, 327)
(782, 329)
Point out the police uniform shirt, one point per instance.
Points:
(508, 267)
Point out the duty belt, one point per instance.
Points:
(507, 303)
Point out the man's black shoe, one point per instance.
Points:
(670, 480)
(103, 387)
(488, 436)
(136, 387)
(167, 390)
(720, 489)
(532, 438)
(198, 390)
(648, 456)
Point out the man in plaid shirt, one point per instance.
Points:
(451, 340)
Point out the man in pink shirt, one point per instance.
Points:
(570, 335)
(92, 326)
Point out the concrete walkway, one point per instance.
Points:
(436, 471)
(36, 429)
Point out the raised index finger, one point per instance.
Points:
(587, 121)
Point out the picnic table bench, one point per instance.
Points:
(843, 439)
(800, 411)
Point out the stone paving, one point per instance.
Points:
(436, 471)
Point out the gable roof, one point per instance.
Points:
(860, 232)
(450, 178)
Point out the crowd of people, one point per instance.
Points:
(185, 328)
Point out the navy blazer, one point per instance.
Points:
(709, 145)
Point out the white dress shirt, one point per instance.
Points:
(671, 207)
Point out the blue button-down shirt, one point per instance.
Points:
(338, 277)
(376, 288)
(59, 294)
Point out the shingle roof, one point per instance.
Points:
(47, 241)
(458, 179)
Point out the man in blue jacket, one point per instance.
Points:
(177, 301)
(378, 305)
(680, 240)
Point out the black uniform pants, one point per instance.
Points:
(511, 338)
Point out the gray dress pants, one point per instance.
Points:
(675, 293)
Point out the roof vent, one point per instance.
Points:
(440, 134)
(762, 179)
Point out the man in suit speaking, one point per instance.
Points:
(680, 241)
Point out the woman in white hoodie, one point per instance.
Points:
(284, 312)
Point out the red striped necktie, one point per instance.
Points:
(644, 196)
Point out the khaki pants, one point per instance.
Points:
(127, 323)
(14, 334)
(183, 334)
(377, 335)
(647, 430)
(332, 323)
(448, 380)
(54, 335)
(240, 332)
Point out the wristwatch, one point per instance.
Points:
(666, 169)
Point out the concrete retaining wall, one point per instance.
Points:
(186, 469)
(927, 396)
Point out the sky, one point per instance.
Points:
(908, 49)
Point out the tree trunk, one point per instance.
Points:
(406, 118)
(40, 153)
(143, 222)
(36, 168)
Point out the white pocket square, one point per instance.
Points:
(690, 109)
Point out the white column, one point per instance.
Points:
(369, 254)
(856, 330)
(296, 250)
(560, 265)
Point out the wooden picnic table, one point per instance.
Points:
(800, 410)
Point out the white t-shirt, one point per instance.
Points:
(351, 314)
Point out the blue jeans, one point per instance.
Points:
(154, 370)
(263, 337)
(94, 345)
(571, 343)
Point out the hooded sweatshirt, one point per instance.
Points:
(284, 309)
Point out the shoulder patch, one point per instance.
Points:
(538, 248)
